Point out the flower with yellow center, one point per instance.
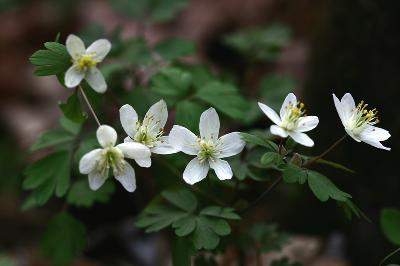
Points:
(99, 162)
(84, 62)
(291, 120)
(150, 131)
(359, 122)
(209, 149)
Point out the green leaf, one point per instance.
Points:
(174, 48)
(204, 235)
(137, 52)
(64, 239)
(324, 189)
(217, 211)
(253, 139)
(81, 195)
(335, 165)
(184, 226)
(274, 88)
(268, 237)
(390, 223)
(225, 98)
(351, 209)
(182, 250)
(294, 174)
(182, 199)
(239, 168)
(271, 159)
(72, 109)
(51, 138)
(187, 114)
(69, 125)
(53, 61)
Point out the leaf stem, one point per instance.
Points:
(89, 105)
(389, 256)
(316, 158)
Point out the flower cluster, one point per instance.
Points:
(147, 136)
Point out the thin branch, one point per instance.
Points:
(389, 256)
(89, 105)
(313, 160)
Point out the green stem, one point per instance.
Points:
(313, 160)
(389, 256)
(89, 105)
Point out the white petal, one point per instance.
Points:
(128, 118)
(270, 113)
(163, 147)
(134, 150)
(302, 139)
(339, 108)
(348, 105)
(376, 133)
(376, 144)
(209, 124)
(230, 144)
(195, 171)
(222, 169)
(96, 180)
(278, 131)
(182, 139)
(88, 161)
(290, 100)
(75, 46)
(73, 77)
(96, 80)
(100, 49)
(352, 135)
(128, 139)
(156, 117)
(106, 136)
(306, 123)
(127, 178)
(144, 162)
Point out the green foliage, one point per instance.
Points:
(267, 237)
(390, 223)
(274, 88)
(294, 174)
(81, 195)
(182, 250)
(271, 159)
(188, 113)
(47, 176)
(6, 260)
(72, 109)
(253, 139)
(323, 188)
(350, 210)
(174, 48)
(52, 138)
(180, 211)
(137, 52)
(260, 43)
(55, 60)
(64, 239)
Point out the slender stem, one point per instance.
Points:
(89, 105)
(389, 256)
(263, 195)
(313, 160)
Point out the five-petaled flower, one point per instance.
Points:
(98, 163)
(85, 61)
(359, 122)
(150, 131)
(208, 148)
(291, 120)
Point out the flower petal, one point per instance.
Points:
(230, 144)
(222, 169)
(75, 46)
(96, 80)
(100, 49)
(156, 117)
(290, 100)
(301, 138)
(375, 144)
(352, 135)
(195, 171)
(278, 131)
(106, 136)
(134, 150)
(270, 113)
(88, 161)
(129, 119)
(182, 139)
(73, 77)
(127, 178)
(349, 105)
(163, 147)
(339, 108)
(307, 123)
(376, 133)
(209, 124)
(96, 180)
(144, 162)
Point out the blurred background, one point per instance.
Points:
(326, 46)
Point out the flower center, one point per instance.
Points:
(207, 150)
(145, 136)
(364, 116)
(86, 61)
(111, 157)
(292, 115)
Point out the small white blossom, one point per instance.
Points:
(291, 121)
(208, 148)
(150, 131)
(359, 122)
(85, 61)
(98, 163)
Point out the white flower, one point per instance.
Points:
(97, 163)
(208, 148)
(85, 61)
(291, 120)
(150, 131)
(359, 122)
